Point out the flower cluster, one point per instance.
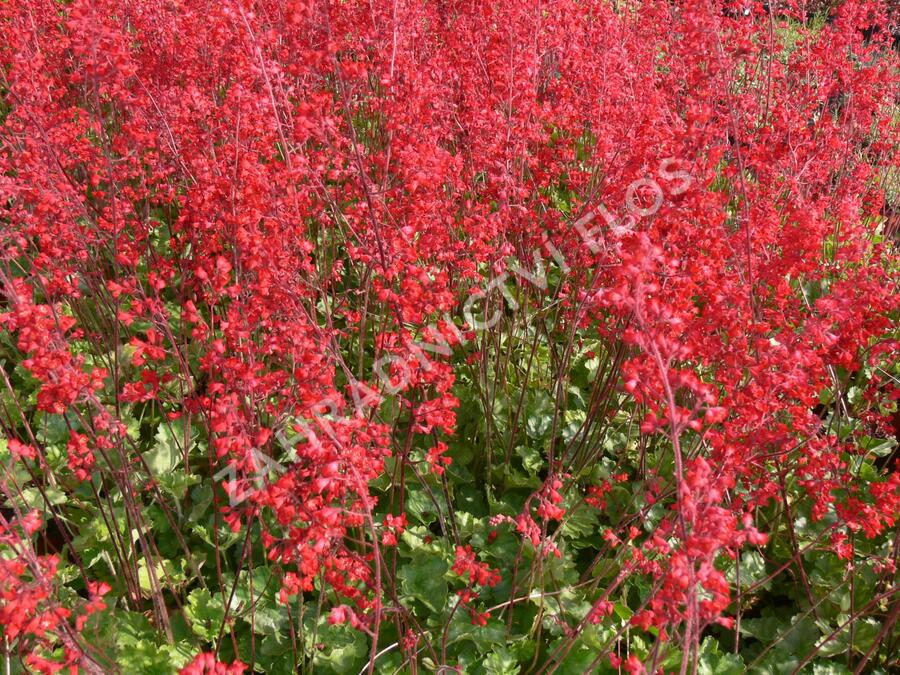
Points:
(332, 289)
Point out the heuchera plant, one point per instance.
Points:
(449, 336)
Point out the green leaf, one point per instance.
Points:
(34, 500)
(539, 416)
(167, 575)
(879, 447)
(578, 661)
(484, 637)
(165, 460)
(752, 570)
(423, 579)
(829, 668)
(130, 638)
(580, 524)
(52, 429)
(622, 611)
(714, 662)
(800, 638)
(531, 458)
(763, 629)
(501, 662)
(345, 650)
(166, 453)
(205, 613)
(261, 609)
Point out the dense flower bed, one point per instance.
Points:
(448, 336)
